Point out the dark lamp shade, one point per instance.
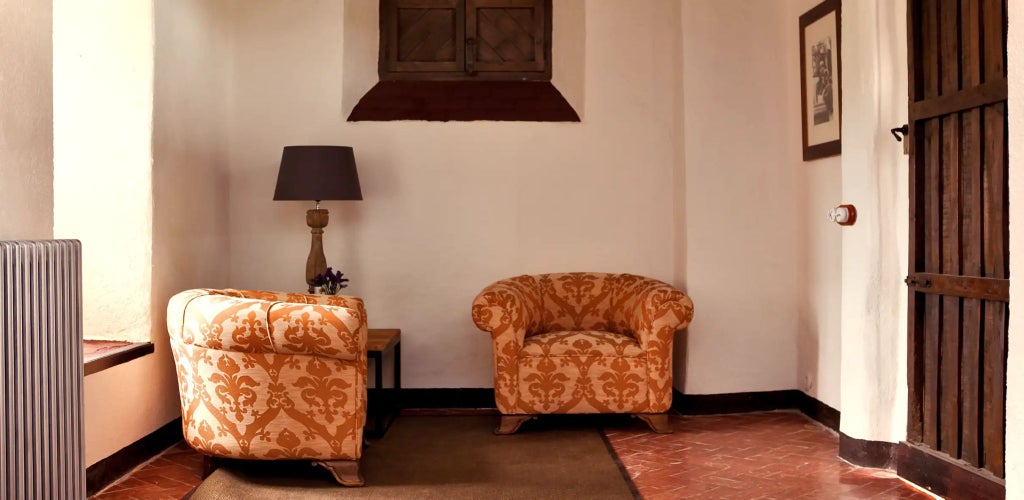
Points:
(316, 173)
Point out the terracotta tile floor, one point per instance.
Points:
(780, 455)
(171, 475)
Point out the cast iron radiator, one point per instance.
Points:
(41, 443)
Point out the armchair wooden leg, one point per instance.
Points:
(209, 465)
(658, 422)
(511, 423)
(345, 472)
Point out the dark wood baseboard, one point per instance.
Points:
(866, 453)
(481, 401)
(821, 412)
(450, 412)
(736, 402)
(746, 402)
(108, 470)
(421, 399)
(944, 476)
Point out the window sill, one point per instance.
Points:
(464, 101)
(100, 354)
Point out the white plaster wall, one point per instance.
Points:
(103, 91)
(819, 242)
(190, 210)
(741, 197)
(103, 69)
(874, 178)
(1015, 358)
(451, 207)
(749, 211)
(26, 120)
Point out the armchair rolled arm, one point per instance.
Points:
(508, 308)
(660, 311)
(656, 312)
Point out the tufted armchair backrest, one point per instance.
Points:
(299, 298)
(257, 321)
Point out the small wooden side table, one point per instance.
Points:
(378, 342)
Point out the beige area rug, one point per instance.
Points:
(446, 457)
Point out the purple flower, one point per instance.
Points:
(330, 281)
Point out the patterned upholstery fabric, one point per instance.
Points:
(268, 376)
(582, 342)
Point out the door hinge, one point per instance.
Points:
(915, 282)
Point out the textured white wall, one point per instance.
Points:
(189, 217)
(103, 91)
(103, 113)
(450, 207)
(745, 190)
(1015, 361)
(819, 242)
(875, 249)
(26, 120)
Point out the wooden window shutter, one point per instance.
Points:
(508, 35)
(465, 40)
(464, 60)
(422, 36)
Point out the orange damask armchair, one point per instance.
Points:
(582, 343)
(269, 376)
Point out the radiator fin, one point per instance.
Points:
(41, 450)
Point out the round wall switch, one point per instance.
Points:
(844, 215)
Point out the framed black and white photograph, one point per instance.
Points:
(820, 80)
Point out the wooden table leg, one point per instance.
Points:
(397, 396)
(378, 384)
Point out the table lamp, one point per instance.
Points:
(317, 173)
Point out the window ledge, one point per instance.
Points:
(101, 354)
(464, 101)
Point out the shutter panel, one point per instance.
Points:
(508, 35)
(422, 36)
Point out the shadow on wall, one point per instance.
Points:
(807, 360)
(679, 359)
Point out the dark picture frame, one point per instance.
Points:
(821, 84)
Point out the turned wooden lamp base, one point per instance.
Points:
(316, 263)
